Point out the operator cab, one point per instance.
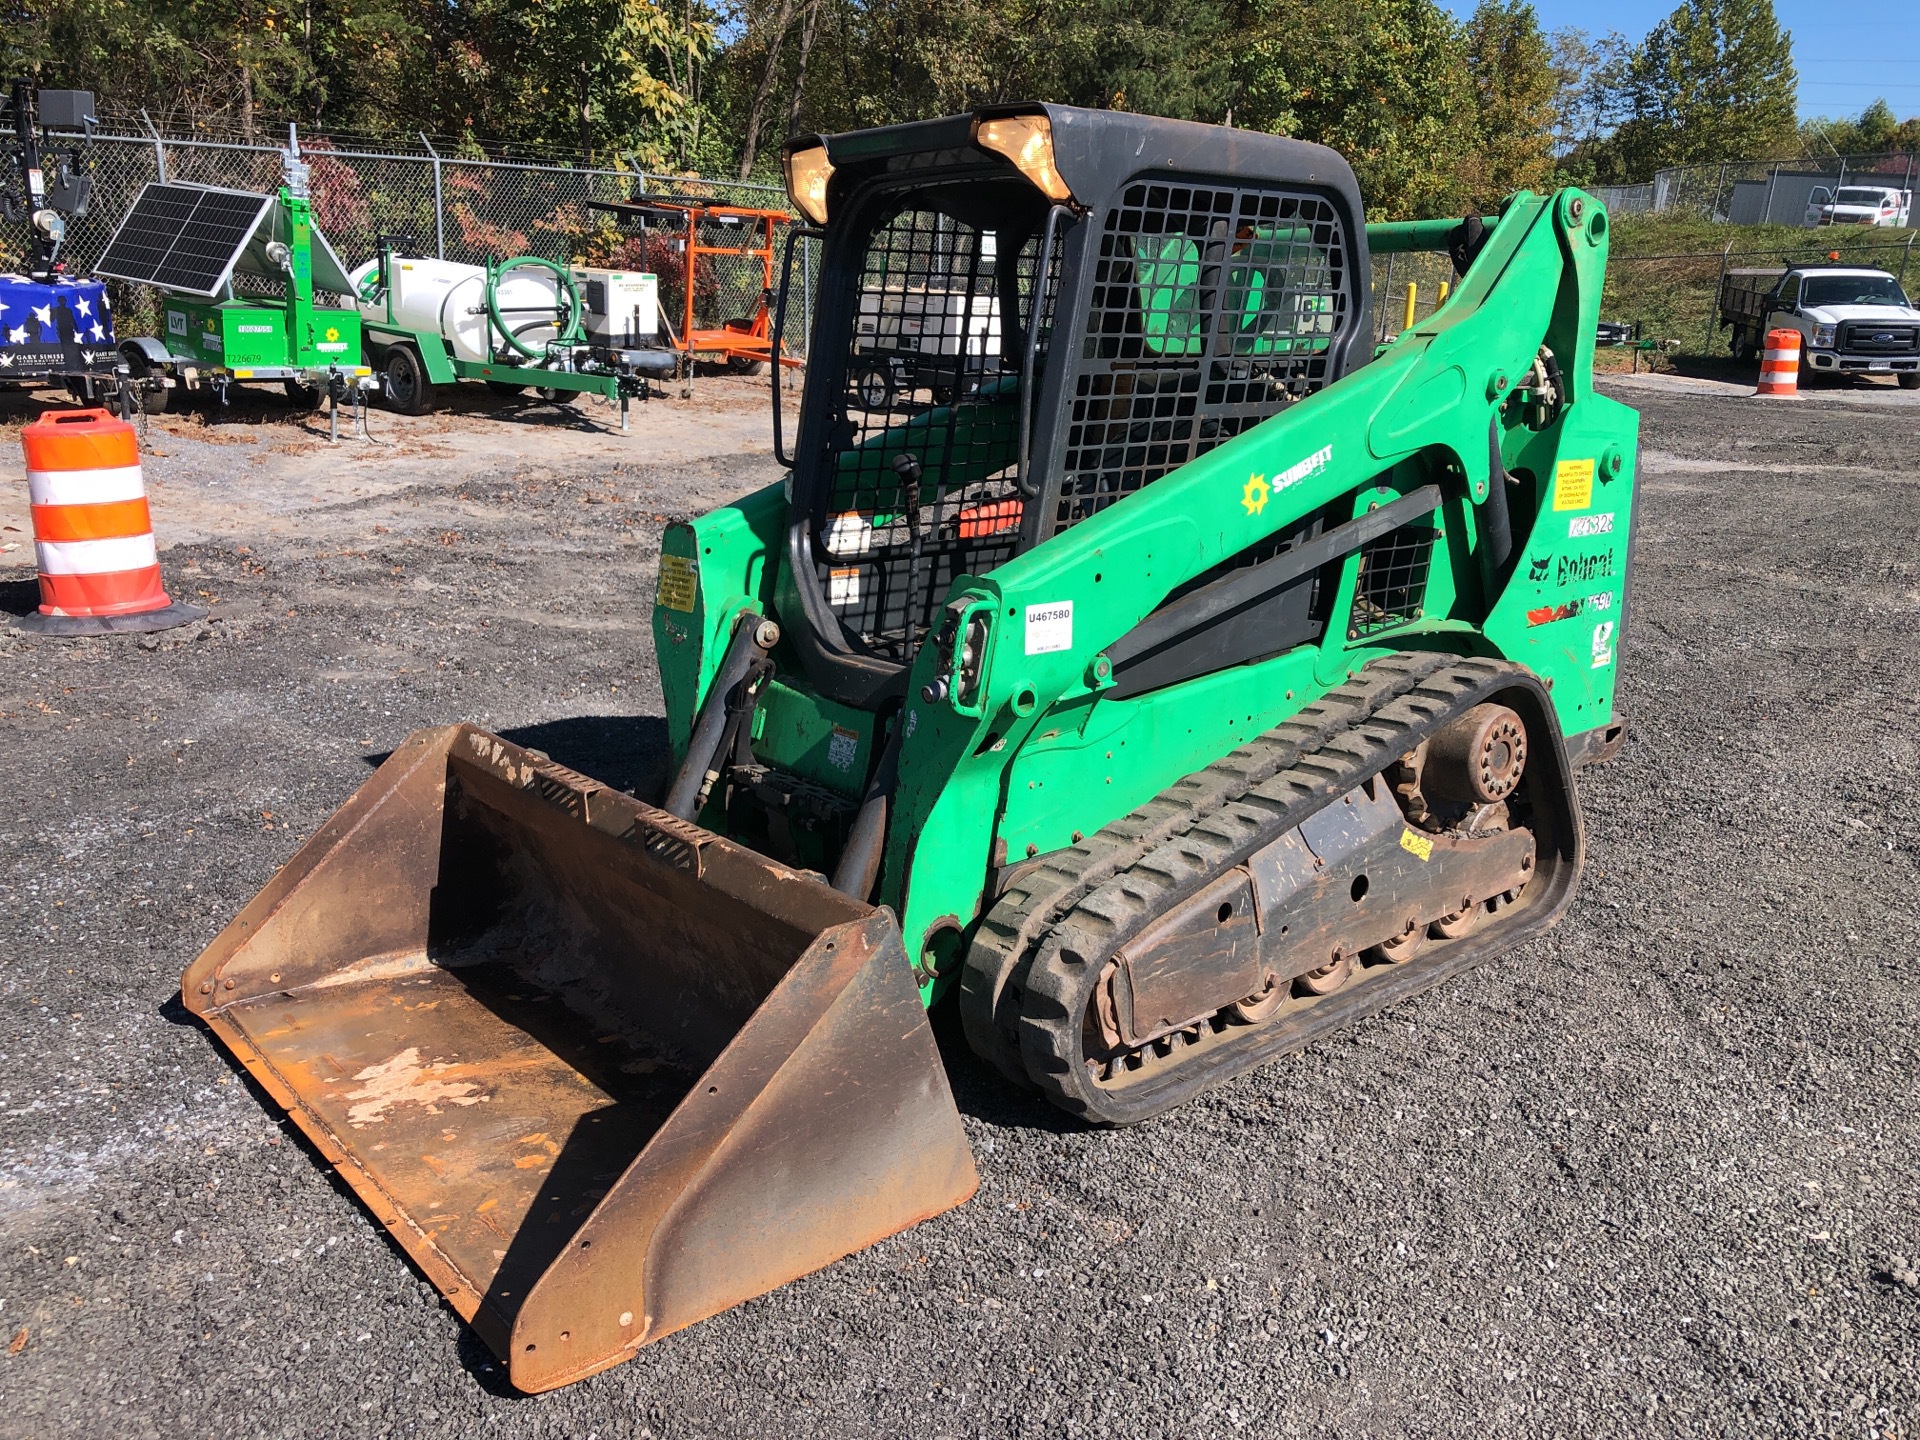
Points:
(1024, 316)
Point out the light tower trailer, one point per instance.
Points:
(55, 328)
(192, 243)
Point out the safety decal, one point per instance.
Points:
(842, 746)
(678, 582)
(1603, 645)
(1049, 627)
(1416, 844)
(1573, 485)
(843, 586)
(1583, 527)
(849, 534)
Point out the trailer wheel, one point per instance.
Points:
(746, 364)
(303, 396)
(1741, 346)
(563, 398)
(139, 369)
(504, 387)
(873, 386)
(407, 387)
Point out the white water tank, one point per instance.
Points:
(444, 297)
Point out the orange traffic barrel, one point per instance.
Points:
(99, 572)
(1780, 364)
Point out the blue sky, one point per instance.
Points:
(1848, 51)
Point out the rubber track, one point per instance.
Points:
(1002, 949)
(1416, 697)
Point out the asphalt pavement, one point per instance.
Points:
(1657, 1173)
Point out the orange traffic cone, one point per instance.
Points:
(99, 572)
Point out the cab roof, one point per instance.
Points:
(1095, 151)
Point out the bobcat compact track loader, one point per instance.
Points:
(1133, 648)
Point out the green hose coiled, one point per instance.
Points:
(569, 332)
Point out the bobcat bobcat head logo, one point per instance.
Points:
(1539, 568)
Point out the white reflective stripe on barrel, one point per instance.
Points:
(96, 557)
(85, 487)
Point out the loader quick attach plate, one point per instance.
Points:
(601, 1072)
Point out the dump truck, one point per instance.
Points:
(1851, 319)
(1195, 680)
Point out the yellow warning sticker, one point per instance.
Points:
(1573, 485)
(678, 582)
(1416, 844)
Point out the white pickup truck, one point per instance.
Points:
(1860, 205)
(1851, 319)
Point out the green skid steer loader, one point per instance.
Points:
(1135, 650)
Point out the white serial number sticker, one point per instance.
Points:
(1580, 527)
(1049, 627)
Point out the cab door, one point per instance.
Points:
(1784, 313)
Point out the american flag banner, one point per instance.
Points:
(59, 327)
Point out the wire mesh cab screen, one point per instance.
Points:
(922, 484)
(1212, 308)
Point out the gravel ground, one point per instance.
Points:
(1653, 1174)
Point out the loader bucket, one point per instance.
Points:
(601, 1072)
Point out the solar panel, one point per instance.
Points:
(183, 237)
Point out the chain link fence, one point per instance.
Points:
(1675, 297)
(1411, 285)
(1757, 191)
(455, 207)
(472, 208)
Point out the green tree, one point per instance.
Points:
(1385, 83)
(1713, 81)
(1591, 96)
(1874, 131)
(1516, 89)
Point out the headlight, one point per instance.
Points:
(808, 170)
(1026, 140)
(1823, 336)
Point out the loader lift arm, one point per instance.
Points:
(1418, 414)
